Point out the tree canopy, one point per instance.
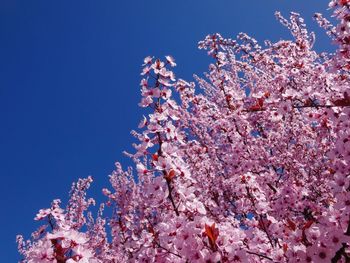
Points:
(249, 164)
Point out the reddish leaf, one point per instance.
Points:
(308, 103)
(155, 157)
(324, 122)
(212, 233)
(260, 102)
(308, 224)
(170, 175)
(258, 105)
(291, 224)
(331, 171)
(342, 102)
(344, 2)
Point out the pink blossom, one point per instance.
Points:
(170, 60)
(147, 60)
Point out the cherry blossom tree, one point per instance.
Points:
(252, 165)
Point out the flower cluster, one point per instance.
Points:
(60, 239)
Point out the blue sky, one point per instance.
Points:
(69, 85)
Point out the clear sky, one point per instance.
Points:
(69, 85)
